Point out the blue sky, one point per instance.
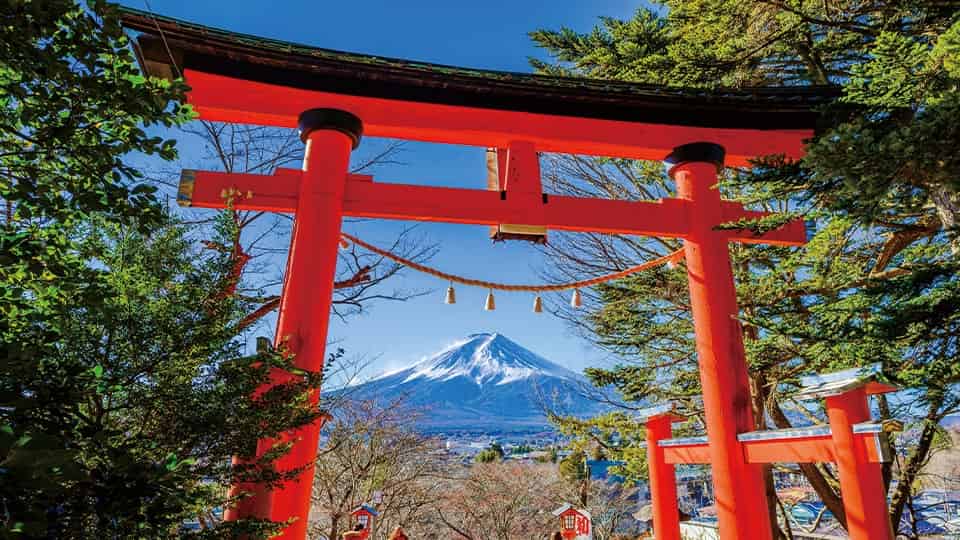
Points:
(491, 35)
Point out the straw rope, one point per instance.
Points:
(670, 257)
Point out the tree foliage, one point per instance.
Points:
(490, 454)
(573, 468)
(123, 388)
(128, 426)
(879, 188)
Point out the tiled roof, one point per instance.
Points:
(165, 42)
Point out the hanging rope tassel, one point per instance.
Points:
(491, 304)
(537, 304)
(451, 295)
(576, 300)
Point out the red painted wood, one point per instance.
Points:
(364, 198)
(663, 480)
(693, 453)
(305, 312)
(522, 183)
(861, 482)
(738, 485)
(876, 387)
(305, 303)
(324, 195)
(522, 174)
(247, 506)
(807, 450)
(482, 207)
(276, 193)
(225, 99)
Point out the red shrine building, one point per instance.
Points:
(575, 523)
(363, 515)
(335, 99)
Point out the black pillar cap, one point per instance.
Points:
(698, 152)
(335, 119)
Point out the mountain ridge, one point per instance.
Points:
(485, 382)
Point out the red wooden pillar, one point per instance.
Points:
(663, 479)
(738, 486)
(861, 482)
(330, 135)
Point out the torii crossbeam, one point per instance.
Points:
(333, 97)
(323, 192)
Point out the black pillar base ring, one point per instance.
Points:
(338, 120)
(698, 152)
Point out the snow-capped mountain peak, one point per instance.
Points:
(485, 382)
(486, 359)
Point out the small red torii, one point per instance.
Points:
(334, 98)
(851, 440)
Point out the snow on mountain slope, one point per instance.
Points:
(485, 382)
(486, 359)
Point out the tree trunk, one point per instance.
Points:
(947, 203)
(758, 398)
(758, 395)
(334, 527)
(887, 467)
(911, 468)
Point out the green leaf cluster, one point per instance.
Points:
(491, 454)
(124, 389)
(879, 187)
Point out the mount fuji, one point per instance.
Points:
(484, 383)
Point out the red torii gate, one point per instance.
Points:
(335, 97)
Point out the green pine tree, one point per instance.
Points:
(123, 388)
(877, 282)
(492, 454)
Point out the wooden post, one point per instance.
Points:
(663, 479)
(738, 486)
(329, 135)
(861, 482)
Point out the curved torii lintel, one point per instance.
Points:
(241, 78)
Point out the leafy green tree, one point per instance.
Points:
(574, 471)
(123, 390)
(879, 187)
(573, 468)
(491, 454)
(129, 425)
(597, 453)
